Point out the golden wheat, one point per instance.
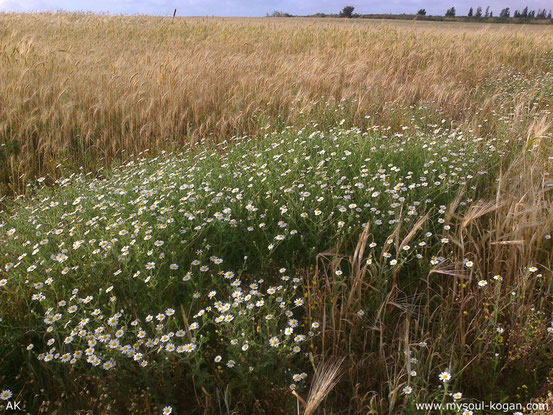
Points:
(80, 90)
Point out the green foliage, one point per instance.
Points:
(450, 12)
(347, 11)
(184, 273)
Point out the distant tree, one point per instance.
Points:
(470, 12)
(450, 12)
(505, 13)
(479, 12)
(549, 16)
(421, 12)
(524, 12)
(532, 14)
(491, 14)
(487, 12)
(347, 11)
(516, 14)
(276, 13)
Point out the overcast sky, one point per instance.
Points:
(261, 7)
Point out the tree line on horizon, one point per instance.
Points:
(479, 13)
(505, 13)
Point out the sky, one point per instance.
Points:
(261, 7)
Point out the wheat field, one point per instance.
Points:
(275, 216)
(79, 91)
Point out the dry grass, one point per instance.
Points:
(505, 235)
(327, 376)
(80, 91)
